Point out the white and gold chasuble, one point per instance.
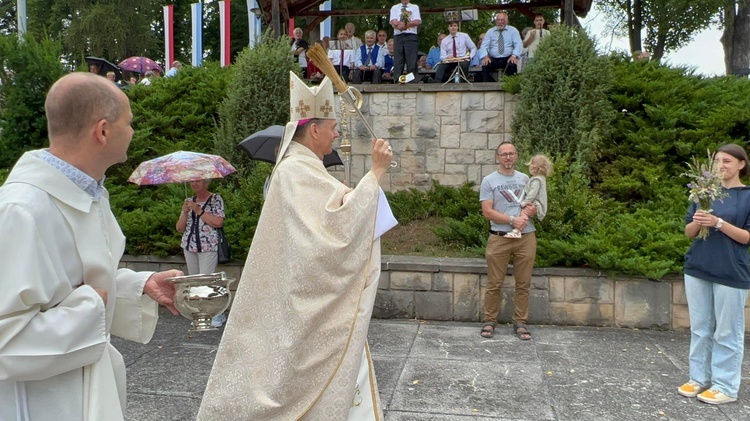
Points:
(295, 343)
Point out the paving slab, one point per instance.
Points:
(445, 371)
(456, 387)
(388, 371)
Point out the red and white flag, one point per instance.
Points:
(224, 19)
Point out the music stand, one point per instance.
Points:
(458, 70)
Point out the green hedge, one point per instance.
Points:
(621, 212)
(27, 71)
(171, 114)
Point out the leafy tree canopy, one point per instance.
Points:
(668, 24)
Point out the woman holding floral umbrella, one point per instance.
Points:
(201, 215)
(717, 279)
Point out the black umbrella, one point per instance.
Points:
(262, 146)
(105, 66)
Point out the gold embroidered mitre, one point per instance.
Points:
(310, 102)
(305, 103)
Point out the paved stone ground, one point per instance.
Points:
(444, 371)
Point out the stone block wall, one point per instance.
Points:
(445, 134)
(453, 289)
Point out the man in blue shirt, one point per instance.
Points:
(433, 56)
(500, 48)
(176, 66)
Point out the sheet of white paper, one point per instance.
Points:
(385, 219)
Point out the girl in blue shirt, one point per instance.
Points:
(717, 278)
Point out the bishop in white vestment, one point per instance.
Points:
(295, 343)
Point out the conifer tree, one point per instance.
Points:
(564, 110)
(27, 71)
(258, 94)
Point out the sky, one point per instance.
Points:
(705, 53)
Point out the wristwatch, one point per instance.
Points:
(512, 218)
(719, 223)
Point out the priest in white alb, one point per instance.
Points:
(62, 294)
(295, 345)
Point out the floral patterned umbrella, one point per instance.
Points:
(180, 167)
(140, 65)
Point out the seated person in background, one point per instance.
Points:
(172, 72)
(314, 74)
(368, 60)
(326, 42)
(476, 61)
(341, 55)
(500, 49)
(456, 44)
(382, 39)
(422, 66)
(298, 47)
(113, 77)
(147, 78)
(433, 56)
(355, 41)
(388, 62)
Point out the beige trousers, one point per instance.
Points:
(498, 254)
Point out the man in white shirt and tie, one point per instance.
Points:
(368, 60)
(455, 45)
(500, 49)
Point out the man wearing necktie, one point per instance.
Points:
(455, 45)
(368, 60)
(500, 49)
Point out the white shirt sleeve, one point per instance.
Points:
(470, 46)
(380, 60)
(444, 46)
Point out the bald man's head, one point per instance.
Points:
(77, 101)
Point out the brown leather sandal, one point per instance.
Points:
(522, 331)
(488, 330)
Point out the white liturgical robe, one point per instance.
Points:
(56, 362)
(295, 343)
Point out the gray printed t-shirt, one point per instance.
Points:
(506, 193)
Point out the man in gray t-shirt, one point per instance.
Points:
(501, 195)
(506, 194)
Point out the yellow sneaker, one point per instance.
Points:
(714, 397)
(690, 389)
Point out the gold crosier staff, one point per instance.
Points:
(349, 94)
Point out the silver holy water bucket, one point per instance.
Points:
(202, 297)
